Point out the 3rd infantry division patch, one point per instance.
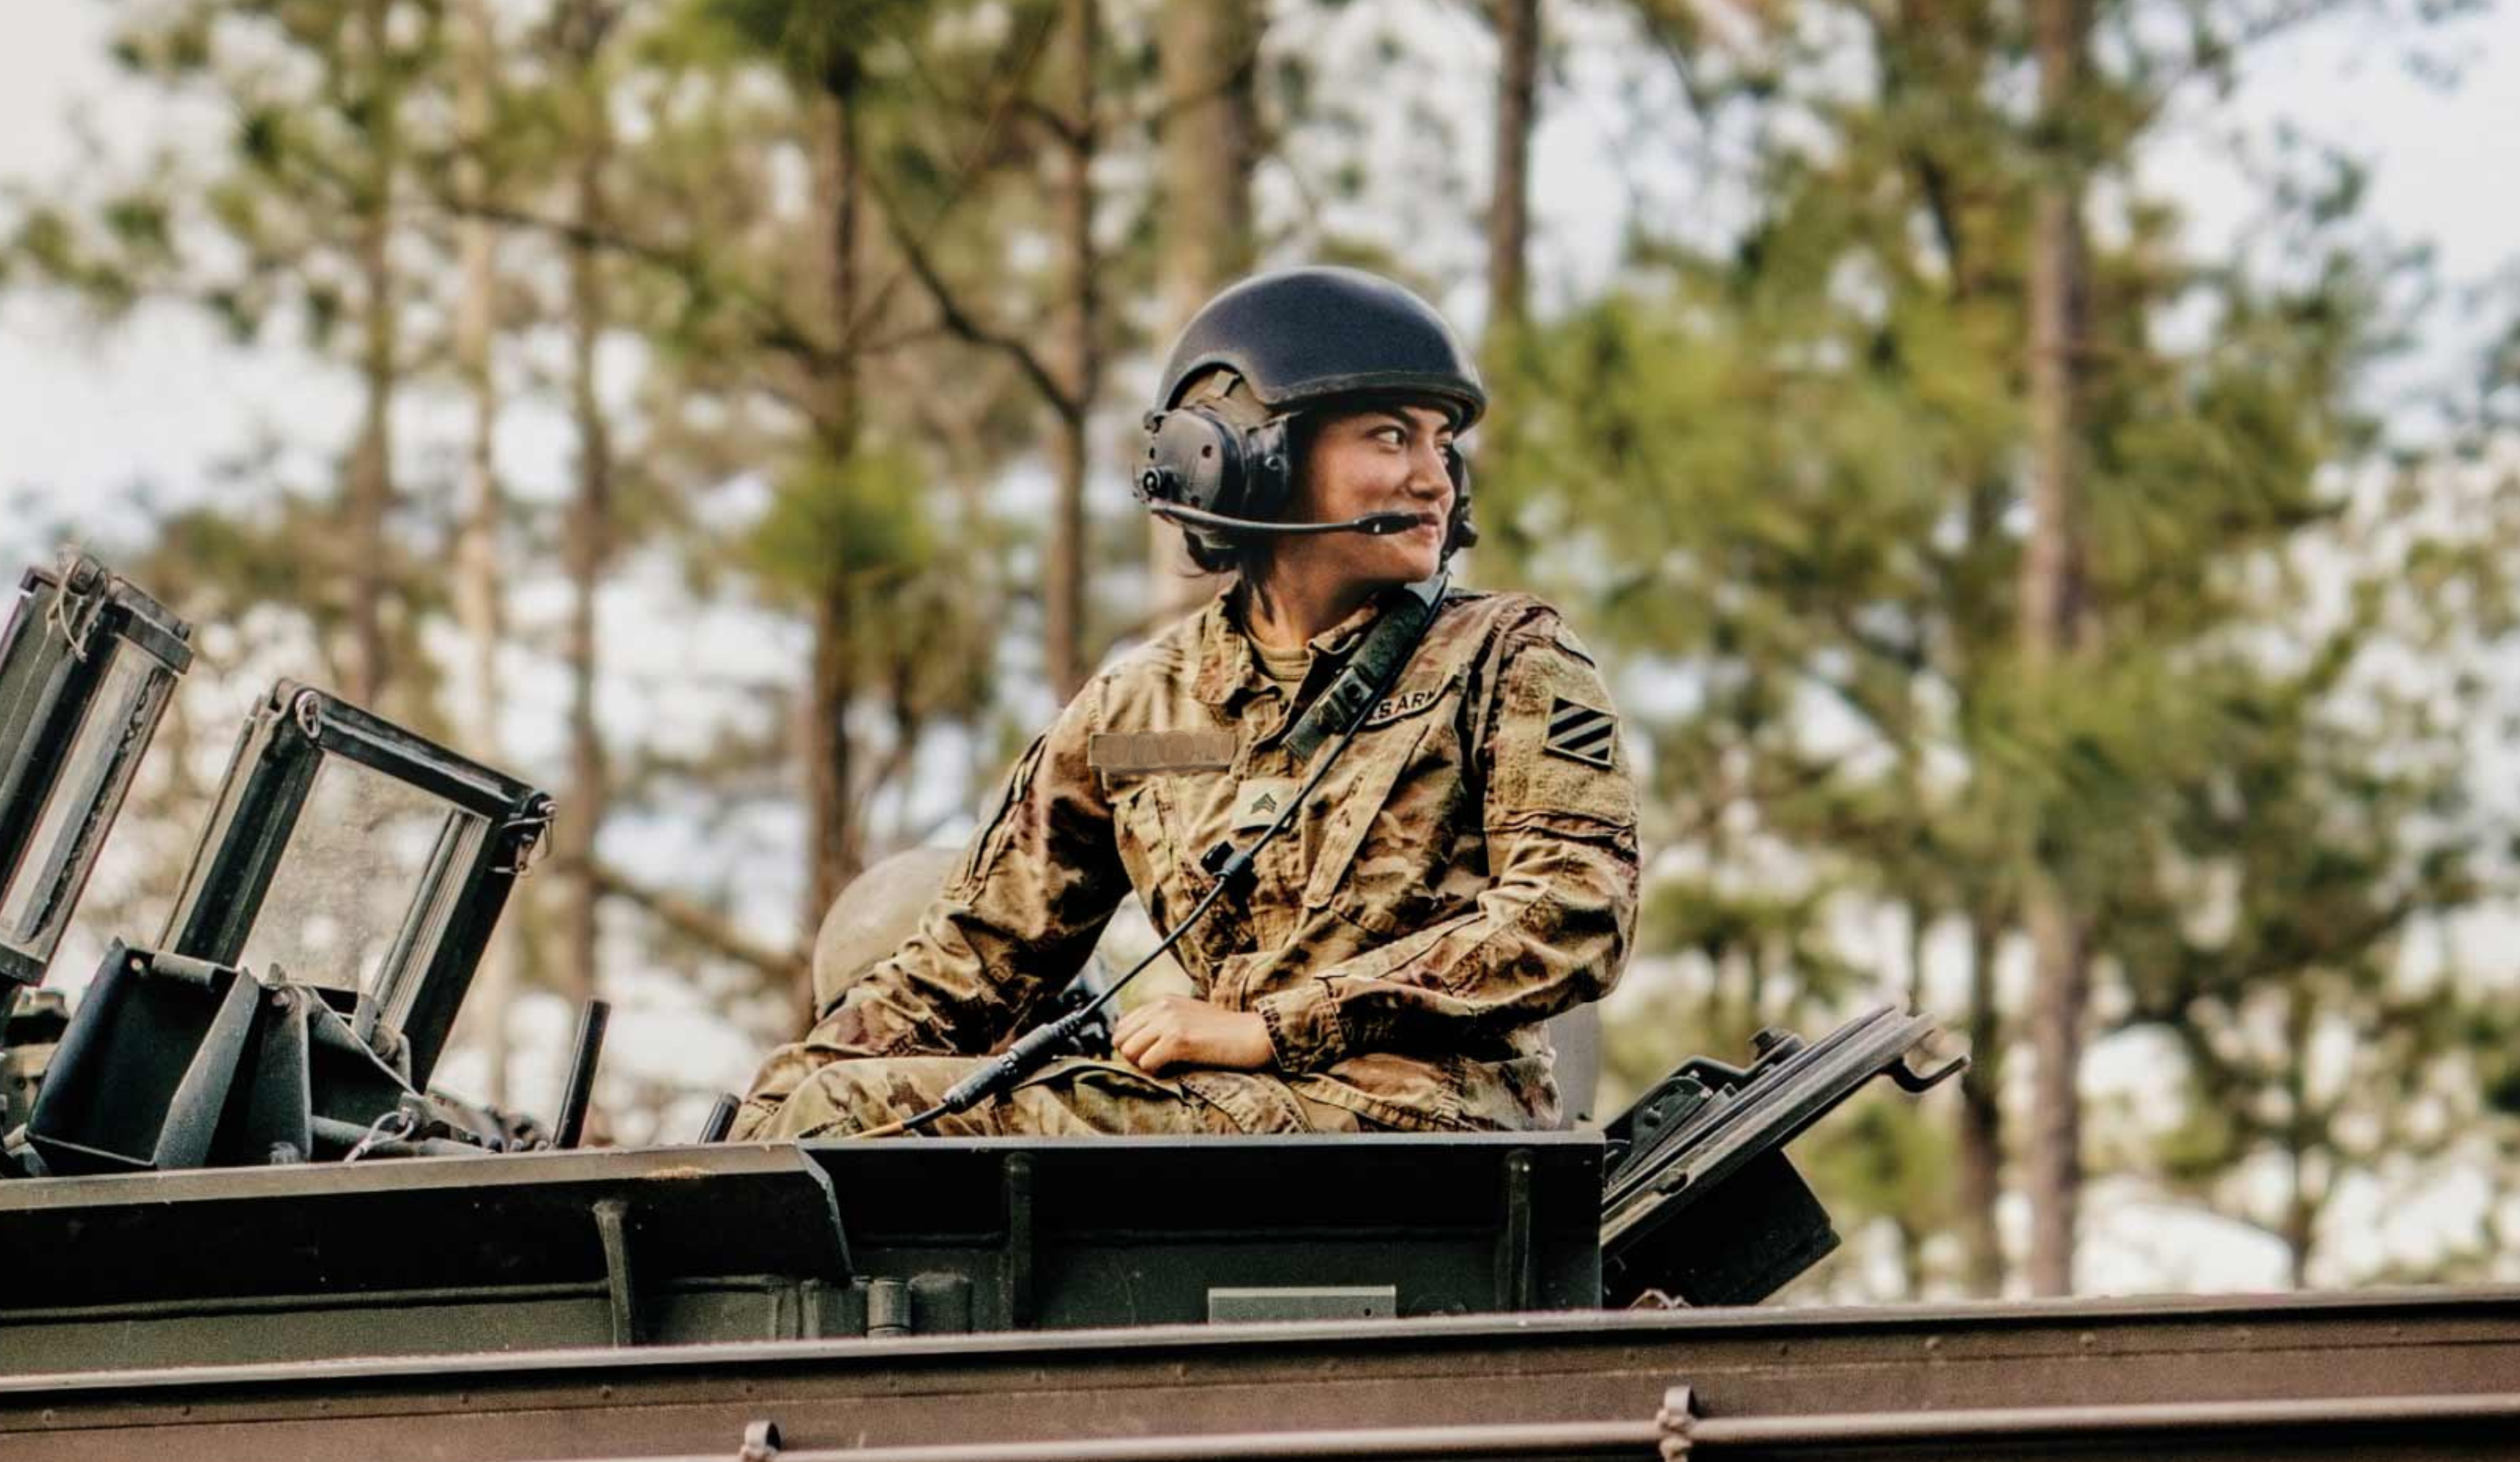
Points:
(1579, 733)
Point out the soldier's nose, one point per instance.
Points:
(1426, 475)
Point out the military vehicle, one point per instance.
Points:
(238, 1222)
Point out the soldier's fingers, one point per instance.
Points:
(1163, 1051)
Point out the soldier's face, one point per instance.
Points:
(1380, 460)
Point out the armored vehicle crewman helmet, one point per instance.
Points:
(1271, 347)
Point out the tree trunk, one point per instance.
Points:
(1080, 364)
(1909, 1258)
(2301, 1136)
(833, 854)
(2061, 989)
(585, 542)
(1981, 1116)
(1518, 28)
(1207, 51)
(2054, 592)
(1920, 929)
(477, 605)
(369, 500)
(1517, 32)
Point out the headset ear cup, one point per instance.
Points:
(1460, 532)
(1197, 459)
(1268, 477)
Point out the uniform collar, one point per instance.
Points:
(1224, 653)
(1228, 663)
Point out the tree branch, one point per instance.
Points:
(1001, 112)
(772, 325)
(961, 323)
(702, 926)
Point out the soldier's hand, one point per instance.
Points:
(1179, 1030)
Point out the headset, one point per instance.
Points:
(1224, 482)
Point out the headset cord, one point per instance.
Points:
(1036, 1049)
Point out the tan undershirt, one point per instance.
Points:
(1285, 667)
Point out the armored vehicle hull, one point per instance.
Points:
(976, 1299)
(2408, 1375)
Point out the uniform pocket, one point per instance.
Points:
(1148, 855)
(1357, 803)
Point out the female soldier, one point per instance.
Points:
(1466, 868)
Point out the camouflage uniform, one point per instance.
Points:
(1467, 870)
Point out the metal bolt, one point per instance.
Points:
(887, 1307)
(1677, 1420)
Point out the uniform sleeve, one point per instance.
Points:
(1018, 918)
(1552, 927)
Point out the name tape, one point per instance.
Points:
(1135, 752)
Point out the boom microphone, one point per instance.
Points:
(1375, 524)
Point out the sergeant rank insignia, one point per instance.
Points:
(1579, 733)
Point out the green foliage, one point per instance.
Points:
(914, 587)
(821, 42)
(1779, 477)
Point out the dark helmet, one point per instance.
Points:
(1265, 351)
(1301, 335)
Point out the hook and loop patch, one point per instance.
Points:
(1579, 733)
(1141, 753)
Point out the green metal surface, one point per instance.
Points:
(1920, 1381)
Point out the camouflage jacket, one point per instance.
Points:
(1467, 869)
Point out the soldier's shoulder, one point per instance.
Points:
(1138, 683)
(1505, 620)
(1172, 651)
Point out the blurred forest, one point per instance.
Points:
(717, 410)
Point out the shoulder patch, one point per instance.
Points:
(1580, 732)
